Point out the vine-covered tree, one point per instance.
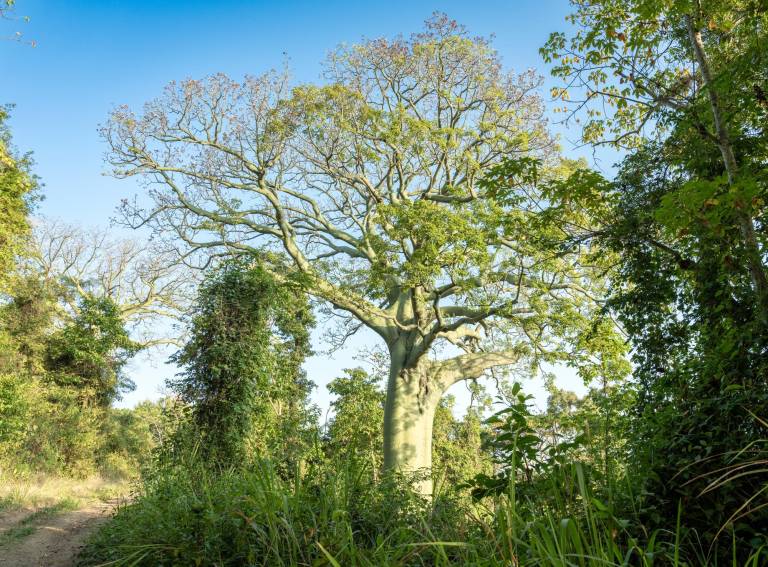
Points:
(242, 365)
(372, 185)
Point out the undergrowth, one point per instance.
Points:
(188, 514)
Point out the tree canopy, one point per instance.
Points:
(375, 186)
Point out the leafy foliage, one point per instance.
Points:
(522, 453)
(458, 447)
(355, 432)
(682, 84)
(699, 348)
(243, 376)
(90, 352)
(17, 194)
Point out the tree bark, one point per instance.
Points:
(746, 225)
(409, 414)
(414, 389)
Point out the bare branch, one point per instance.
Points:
(148, 286)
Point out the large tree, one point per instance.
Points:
(373, 186)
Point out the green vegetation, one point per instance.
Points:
(56, 387)
(417, 193)
(243, 379)
(688, 225)
(17, 191)
(64, 340)
(254, 517)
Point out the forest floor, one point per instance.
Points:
(46, 523)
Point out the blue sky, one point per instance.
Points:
(93, 55)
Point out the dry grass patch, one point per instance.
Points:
(44, 491)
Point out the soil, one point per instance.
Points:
(55, 541)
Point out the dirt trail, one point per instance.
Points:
(55, 541)
(11, 518)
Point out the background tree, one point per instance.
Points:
(64, 342)
(148, 288)
(17, 192)
(371, 186)
(89, 353)
(243, 376)
(458, 445)
(354, 433)
(689, 224)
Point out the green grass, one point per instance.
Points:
(187, 515)
(8, 503)
(337, 516)
(28, 525)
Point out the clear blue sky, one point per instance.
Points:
(93, 55)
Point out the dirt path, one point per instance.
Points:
(53, 541)
(10, 518)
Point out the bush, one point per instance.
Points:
(45, 428)
(16, 401)
(128, 437)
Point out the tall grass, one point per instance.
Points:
(187, 514)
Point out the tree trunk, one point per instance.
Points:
(746, 225)
(408, 418)
(414, 390)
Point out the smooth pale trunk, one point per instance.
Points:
(408, 418)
